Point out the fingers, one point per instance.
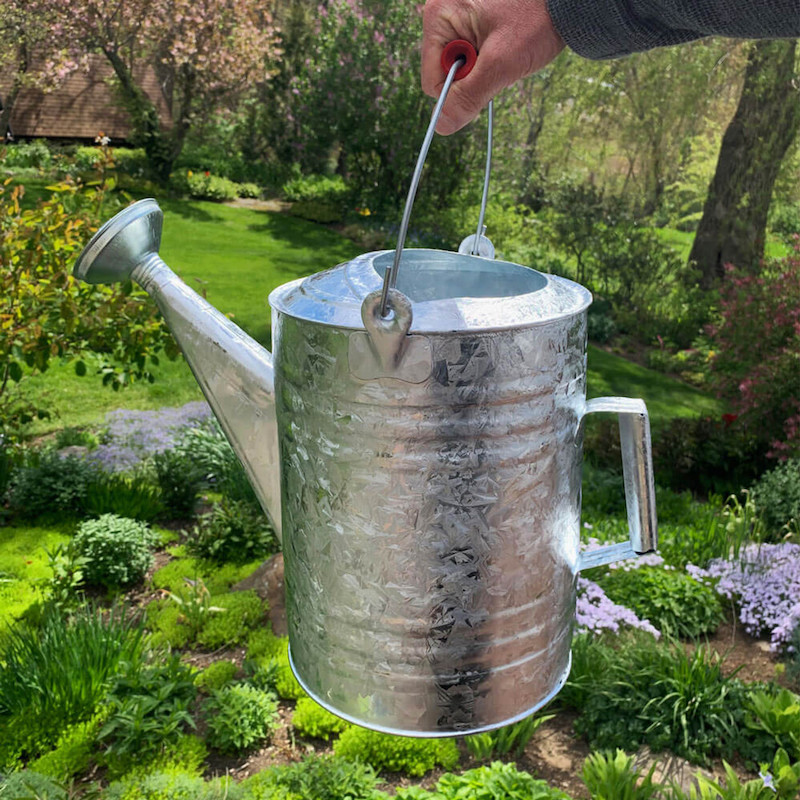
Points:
(513, 38)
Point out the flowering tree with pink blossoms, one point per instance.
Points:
(204, 53)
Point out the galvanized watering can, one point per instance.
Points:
(422, 464)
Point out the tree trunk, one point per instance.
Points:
(144, 117)
(8, 100)
(732, 229)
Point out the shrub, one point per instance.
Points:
(323, 188)
(497, 781)
(323, 777)
(128, 496)
(117, 551)
(233, 531)
(248, 190)
(29, 785)
(179, 479)
(760, 375)
(239, 716)
(205, 186)
(704, 455)
(383, 751)
(208, 448)
(672, 601)
(55, 676)
(149, 711)
(311, 719)
(776, 495)
(50, 485)
(215, 676)
(28, 154)
(263, 643)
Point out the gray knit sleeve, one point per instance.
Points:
(611, 28)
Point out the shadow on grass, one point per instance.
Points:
(299, 233)
(186, 209)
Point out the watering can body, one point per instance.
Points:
(423, 468)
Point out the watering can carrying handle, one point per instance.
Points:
(637, 466)
(458, 59)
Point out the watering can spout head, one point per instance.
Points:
(233, 370)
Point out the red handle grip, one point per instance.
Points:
(459, 48)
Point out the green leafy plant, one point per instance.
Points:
(311, 719)
(215, 676)
(383, 751)
(49, 484)
(497, 781)
(179, 479)
(232, 531)
(239, 716)
(49, 315)
(73, 752)
(63, 589)
(149, 711)
(57, 675)
(171, 784)
(129, 496)
(509, 739)
(778, 781)
(778, 714)
(243, 611)
(672, 601)
(323, 777)
(777, 496)
(613, 777)
(194, 604)
(29, 785)
(635, 690)
(117, 551)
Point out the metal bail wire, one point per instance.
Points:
(390, 278)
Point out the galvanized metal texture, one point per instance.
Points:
(431, 530)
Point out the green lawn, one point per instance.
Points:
(236, 257)
(681, 242)
(610, 375)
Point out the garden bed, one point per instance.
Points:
(681, 675)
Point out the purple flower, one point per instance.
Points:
(132, 436)
(765, 585)
(595, 612)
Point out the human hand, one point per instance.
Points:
(513, 38)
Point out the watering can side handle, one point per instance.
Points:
(637, 466)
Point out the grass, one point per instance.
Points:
(681, 242)
(236, 256)
(665, 397)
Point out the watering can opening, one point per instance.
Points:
(440, 275)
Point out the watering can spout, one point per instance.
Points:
(233, 370)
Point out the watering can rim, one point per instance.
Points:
(334, 297)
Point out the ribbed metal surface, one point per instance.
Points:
(431, 530)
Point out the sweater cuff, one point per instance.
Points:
(599, 30)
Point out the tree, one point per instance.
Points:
(45, 314)
(733, 225)
(204, 52)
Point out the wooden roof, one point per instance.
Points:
(82, 106)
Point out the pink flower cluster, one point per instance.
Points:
(765, 584)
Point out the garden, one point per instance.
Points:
(143, 632)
